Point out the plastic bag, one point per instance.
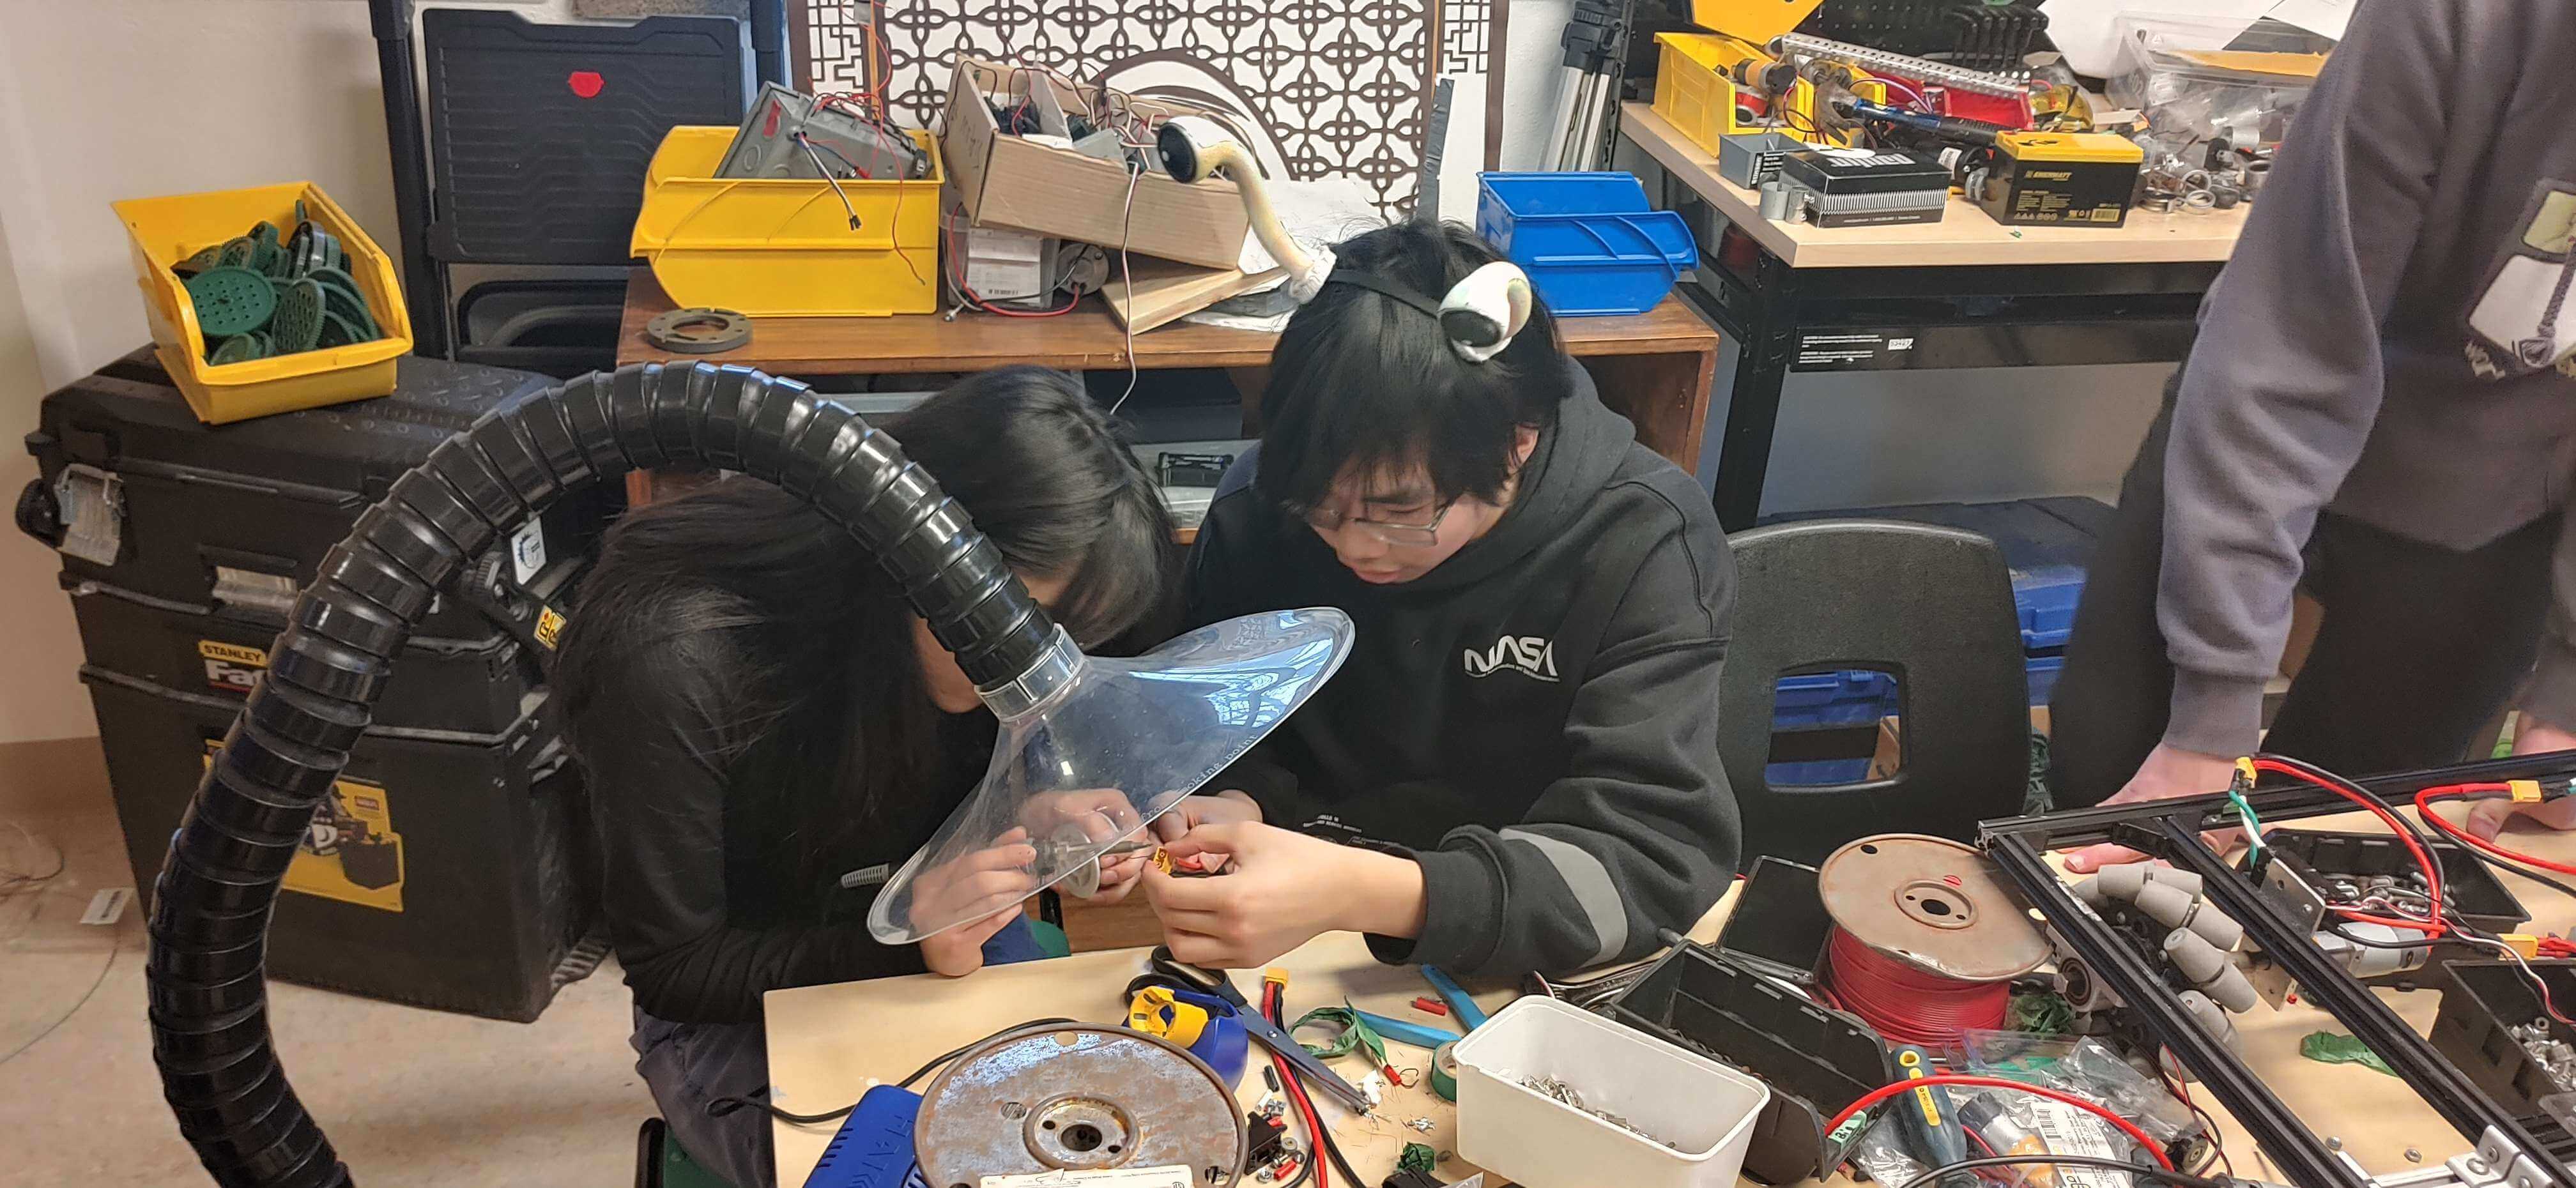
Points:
(2086, 1068)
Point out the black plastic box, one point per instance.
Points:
(1817, 1061)
(2484, 1000)
(271, 496)
(454, 874)
(540, 133)
(2476, 895)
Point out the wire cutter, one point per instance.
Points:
(1208, 981)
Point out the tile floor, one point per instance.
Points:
(409, 1096)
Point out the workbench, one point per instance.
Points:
(827, 1044)
(1653, 368)
(1965, 292)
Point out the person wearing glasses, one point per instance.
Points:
(1516, 770)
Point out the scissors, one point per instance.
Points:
(1208, 981)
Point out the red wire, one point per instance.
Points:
(2424, 803)
(1907, 1003)
(2397, 825)
(1296, 1094)
(1882, 1093)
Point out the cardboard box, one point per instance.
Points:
(1014, 182)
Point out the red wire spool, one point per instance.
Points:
(1926, 941)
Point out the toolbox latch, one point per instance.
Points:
(91, 505)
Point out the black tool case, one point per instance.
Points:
(540, 134)
(447, 873)
(1817, 1061)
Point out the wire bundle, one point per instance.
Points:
(1906, 1002)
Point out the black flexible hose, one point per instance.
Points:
(209, 920)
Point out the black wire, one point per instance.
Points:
(2506, 864)
(1278, 1010)
(2367, 943)
(2150, 1172)
(722, 1106)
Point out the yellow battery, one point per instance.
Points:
(2074, 179)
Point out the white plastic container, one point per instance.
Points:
(1537, 1141)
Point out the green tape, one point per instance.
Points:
(1444, 1072)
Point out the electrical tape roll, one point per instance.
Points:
(1444, 1072)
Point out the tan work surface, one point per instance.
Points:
(1966, 235)
(828, 1044)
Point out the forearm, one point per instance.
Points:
(1385, 895)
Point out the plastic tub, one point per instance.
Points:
(165, 231)
(1704, 1107)
(1589, 241)
(783, 247)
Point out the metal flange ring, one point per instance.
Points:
(1077, 1097)
(701, 331)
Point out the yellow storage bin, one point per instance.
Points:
(1757, 21)
(783, 247)
(1694, 93)
(165, 231)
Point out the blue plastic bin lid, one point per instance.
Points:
(1544, 195)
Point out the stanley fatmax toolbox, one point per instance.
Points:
(183, 544)
(443, 873)
(448, 874)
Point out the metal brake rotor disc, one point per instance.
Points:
(700, 331)
(1932, 903)
(1077, 1097)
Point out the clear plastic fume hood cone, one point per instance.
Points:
(1092, 748)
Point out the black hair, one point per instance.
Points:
(804, 649)
(1361, 381)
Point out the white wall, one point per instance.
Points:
(108, 99)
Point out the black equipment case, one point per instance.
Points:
(450, 870)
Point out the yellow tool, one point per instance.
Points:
(1155, 1011)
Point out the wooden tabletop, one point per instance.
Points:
(1087, 339)
(1966, 235)
(828, 1044)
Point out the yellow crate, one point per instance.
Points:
(1757, 21)
(783, 247)
(1694, 93)
(165, 231)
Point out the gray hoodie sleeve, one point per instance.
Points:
(2285, 379)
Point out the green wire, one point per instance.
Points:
(2253, 829)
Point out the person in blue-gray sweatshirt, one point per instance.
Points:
(2380, 409)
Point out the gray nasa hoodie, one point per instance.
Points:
(2389, 341)
(1535, 721)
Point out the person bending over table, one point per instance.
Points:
(2382, 406)
(760, 712)
(1519, 759)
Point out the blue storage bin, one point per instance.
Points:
(2045, 598)
(1817, 773)
(1853, 697)
(1589, 242)
(2043, 672)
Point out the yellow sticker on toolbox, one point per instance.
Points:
(350, 851)
(232, 668)
(550, 625)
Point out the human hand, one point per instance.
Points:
(1229, 807)
(2532, 737)
(975, 885)
(1281, 889)
(1093, 815)
(960, 950)
(2168, 773)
